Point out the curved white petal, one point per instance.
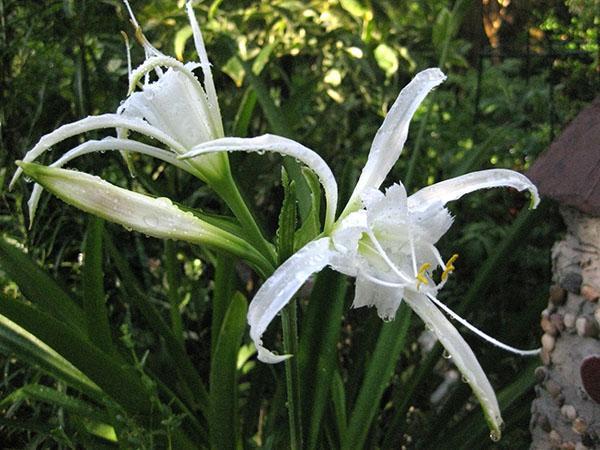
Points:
(110, 143)
(461, 354)
(392, 134)
(280, 287)
(283, 146)
(209, 84)
(454, 188)
(95, 123)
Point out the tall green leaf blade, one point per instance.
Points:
(94, 297)
(29, 349)
(57, 398)
(224, 285)
(39, 288)
(224, 427)
(379, 371)
(116, 379)
(318, 350)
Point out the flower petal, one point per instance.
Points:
(392, 134)
(157, 217)
(209, 84)
(109, 143)
(386, 299)
(95, 123)
(461, 354)
(280, 287)
(283, 146)
(454, 188)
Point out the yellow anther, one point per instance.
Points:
(449, 267)
(421, 279)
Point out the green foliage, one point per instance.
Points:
(111, 339)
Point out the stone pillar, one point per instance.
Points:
(566, 411)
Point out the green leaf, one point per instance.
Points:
(287, 219)
(379, 371)
(94, 298)
(311, 225)
(244, 113)
(386, 59)
(188, 375)
(223, 289)
(318, 348)
(224, 427)
(29, 349)
(117, 380)
(60, 399)
(172, 292)
(181, 38)
(39, 288)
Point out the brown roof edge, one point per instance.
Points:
(569, 171)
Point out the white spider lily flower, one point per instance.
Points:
(157, 217)
(176, 111)
(385, 240)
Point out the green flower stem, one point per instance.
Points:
(227, 189)
(289, 321)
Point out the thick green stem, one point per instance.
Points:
(290, 346)
(229, 192)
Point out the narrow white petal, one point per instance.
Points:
(283, 146)
(480, 333)
(209, 84)
(461, 354)
(392, 134)
(95, 123)
(124, 145)
(454, 188)
(280, 287)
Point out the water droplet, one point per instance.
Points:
(464, 379)
(151, 221)
(495, 435)
(446, 355)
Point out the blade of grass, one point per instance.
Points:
(94, 298)
(224, 426)
(379, 371)
(39, 288)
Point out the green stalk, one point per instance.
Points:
(172, 283)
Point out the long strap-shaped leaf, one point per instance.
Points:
(30, 350)
(224, 427)
(94, 303)
(385, 357)
(118, 381)
(39, 288)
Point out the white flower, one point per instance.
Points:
(385, 240)
(175, 111)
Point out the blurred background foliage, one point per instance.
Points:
(518, 71)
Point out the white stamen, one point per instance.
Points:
(382, 282)
(480, 333)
